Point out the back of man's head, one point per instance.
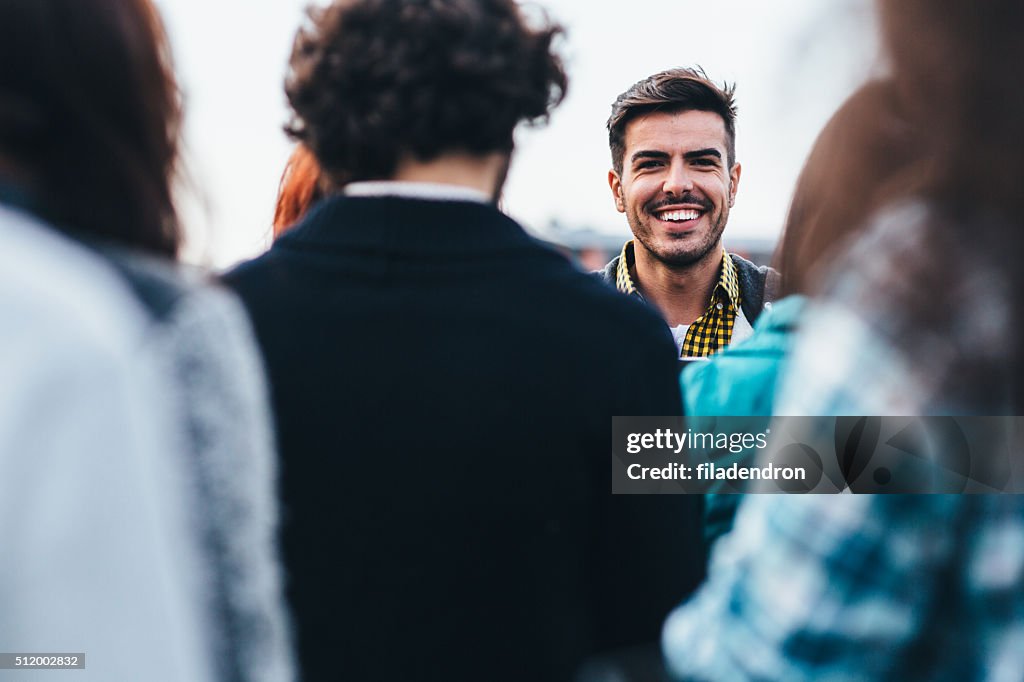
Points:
(671, 91)
(375, 81)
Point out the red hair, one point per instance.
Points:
(299, 189)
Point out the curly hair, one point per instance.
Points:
(671, 91)
(372, 81)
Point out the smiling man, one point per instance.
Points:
(675, 176)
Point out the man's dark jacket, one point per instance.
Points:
(444, 388)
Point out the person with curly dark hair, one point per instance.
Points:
(443, 383)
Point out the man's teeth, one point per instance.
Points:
(680, 215)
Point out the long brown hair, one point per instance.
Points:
(90, 117)
(956, 66)
(865, 156)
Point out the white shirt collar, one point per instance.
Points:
(431, 191)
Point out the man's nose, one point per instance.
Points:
(678, 180)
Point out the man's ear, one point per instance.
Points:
(616, 184)
(734, 182)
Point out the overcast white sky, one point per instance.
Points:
(793, 62)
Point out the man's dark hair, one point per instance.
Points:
(671, 91)
(374, 80)
(89, 117)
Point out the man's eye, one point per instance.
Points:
(705, 162)
(648, 164)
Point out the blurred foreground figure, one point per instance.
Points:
(866, 150)
(925, 319)
(443, 384)
(134, 431)
(98, 554)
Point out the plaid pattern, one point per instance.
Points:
(712, 331)
(871, 587)
(860, 587)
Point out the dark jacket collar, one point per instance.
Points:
(759, 284)
(404, 225)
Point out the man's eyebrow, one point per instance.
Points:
(698, 153)
(648, 154)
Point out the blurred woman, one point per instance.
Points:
(89, 135)
(867, 151)
(923, 318)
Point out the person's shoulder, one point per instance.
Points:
(594, 294)
(607, 274)
(161, 286)
(738, 381)
(75, 334)
(759, 284)
(878, 340)
(245, 267)
(250, 278)
(64, 291)
(585, 302)
(747, 269)
(194, 316)
(884, 273)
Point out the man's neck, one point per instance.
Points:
(482, 173)
(680, 293)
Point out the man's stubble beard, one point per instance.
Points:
(684, 259)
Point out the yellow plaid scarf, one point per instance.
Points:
(712, 331)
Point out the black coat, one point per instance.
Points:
(444, 387)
